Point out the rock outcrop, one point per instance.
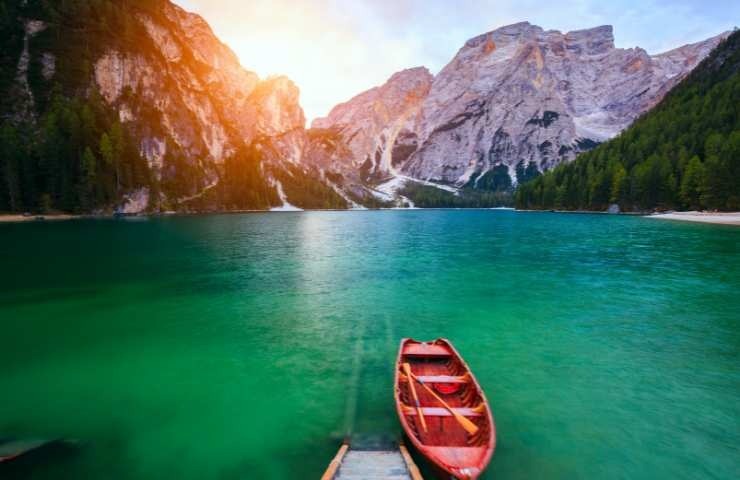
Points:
(516, 94)
(208, 105)
(180, 93)
(377, 125)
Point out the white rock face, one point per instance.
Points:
(154, 149)
(377, 125)
(187, 94)
(163, 38)
(49, 65)
(27, 104)
(136, 202)
(275, 106)
(517, 94)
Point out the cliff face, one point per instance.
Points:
(160, 73)
(517, 94)
(207, 105)
(377, 125)
(681, 155)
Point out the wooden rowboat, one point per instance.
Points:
(443, 409)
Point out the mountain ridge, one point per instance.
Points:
(137, 106)
(507, 98)
(683, 154)
(147, 110)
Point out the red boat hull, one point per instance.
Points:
(444, 442)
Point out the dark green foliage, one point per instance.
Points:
(425, 196)
(243, 185)
(305, 190)
(496, 180)
(11, 161)
(526, 174)
(71, 154)
(684, 154)
(11, 45)
(180, 178)
(77, 158)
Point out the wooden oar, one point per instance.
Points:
(469, 426)
(407, 369)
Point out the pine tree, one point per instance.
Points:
(117, 149)
(10, 154)
(107, 156)
(87, 187)
(620, 184)
(692, 184)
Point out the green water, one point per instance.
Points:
(245, 346)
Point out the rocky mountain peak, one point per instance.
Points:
(277, 106)
(410, 75)
(505, 34)
(515, 95)
(402, 87)
(230, 105)
(377, 125)
(591, 41)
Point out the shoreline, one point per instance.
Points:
(715, 218)
(584, 212)
(17, 218)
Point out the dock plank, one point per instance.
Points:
(352, 464)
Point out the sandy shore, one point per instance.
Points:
(720, 218)
(35, 218)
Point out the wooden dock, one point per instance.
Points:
(387, 464)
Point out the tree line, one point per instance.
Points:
(76, 159)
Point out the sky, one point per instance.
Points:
(335, 49)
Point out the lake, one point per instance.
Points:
(247, 346)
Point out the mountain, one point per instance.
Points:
(683, 154)
(516, 96)
(373, 124)
(135, 104)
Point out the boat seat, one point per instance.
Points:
(440, 378)
(443, 412)
(426, 350)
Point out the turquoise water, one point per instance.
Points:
(246, 346)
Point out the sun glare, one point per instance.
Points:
(324, 54)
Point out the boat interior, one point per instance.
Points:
(437, 367)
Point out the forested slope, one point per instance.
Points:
(135, 105)
(61, 147)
